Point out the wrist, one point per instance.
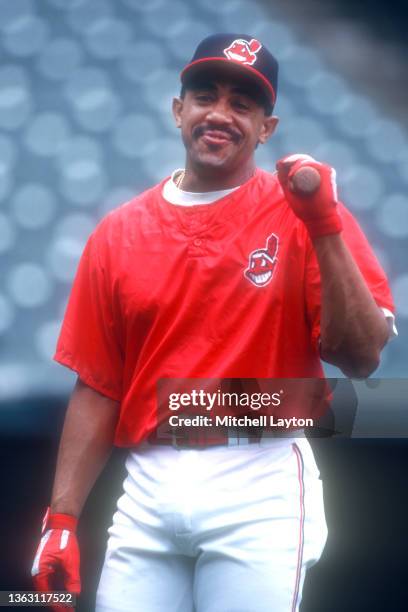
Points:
(324, 226)
(60, 520)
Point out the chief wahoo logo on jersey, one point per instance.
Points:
(262, 263)
(242, 51)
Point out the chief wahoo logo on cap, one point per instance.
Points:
(242, 51)
(262, 263)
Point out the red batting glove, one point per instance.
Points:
(318, 210)
(58, 551)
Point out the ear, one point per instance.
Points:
(177, 110)
(268, 127)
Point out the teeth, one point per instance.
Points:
(236, 57)
(259, 279)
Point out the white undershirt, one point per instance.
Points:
(175, 195)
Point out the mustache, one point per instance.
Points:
(199, 130)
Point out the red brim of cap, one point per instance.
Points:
(195, 66)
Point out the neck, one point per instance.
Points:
(203, 180)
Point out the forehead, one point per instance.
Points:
(220, 80)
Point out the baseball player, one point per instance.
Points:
(221, 270)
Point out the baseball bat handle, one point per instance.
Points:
(305, 181)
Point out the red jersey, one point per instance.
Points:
(228, 289)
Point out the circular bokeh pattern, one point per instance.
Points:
(33, 206)
(29, 285)
(15, 97)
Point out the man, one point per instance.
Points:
(223, 270)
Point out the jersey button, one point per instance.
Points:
(197, 242)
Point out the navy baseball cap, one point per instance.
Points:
(236, 52)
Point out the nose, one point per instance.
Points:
(219, 112)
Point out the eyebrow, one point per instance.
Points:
(236, 89)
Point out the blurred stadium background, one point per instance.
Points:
(85, 124)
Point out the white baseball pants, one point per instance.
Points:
(214, 530)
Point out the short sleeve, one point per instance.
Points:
(367, 262)
(88, 341)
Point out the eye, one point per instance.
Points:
(203, 98)
(241, 105)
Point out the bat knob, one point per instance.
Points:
(305, 181)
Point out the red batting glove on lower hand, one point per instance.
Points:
(318, 210)
(58, 552)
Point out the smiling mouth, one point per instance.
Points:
(216, 138)
(236, 56)
(260, 279)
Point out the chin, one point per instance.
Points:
(212, 161)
